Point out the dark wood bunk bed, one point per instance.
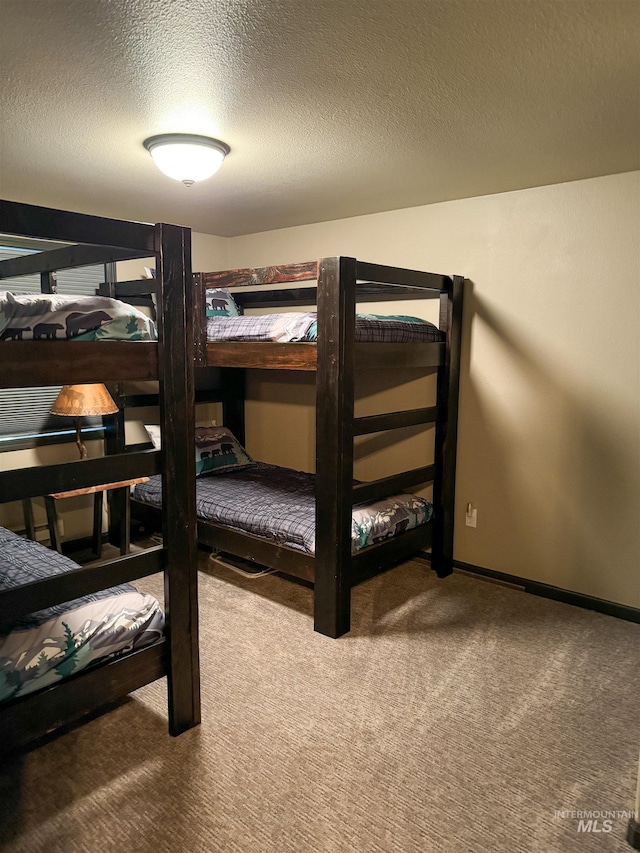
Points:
(30, 363)
(336, 359)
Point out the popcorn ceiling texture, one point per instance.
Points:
(331, 109)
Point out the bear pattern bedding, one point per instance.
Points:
(81, 318)
(44, 647)
(279, 504)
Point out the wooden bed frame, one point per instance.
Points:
(336, 359)
(36, 363)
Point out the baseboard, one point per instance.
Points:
(578, 599)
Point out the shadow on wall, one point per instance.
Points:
(554, 475)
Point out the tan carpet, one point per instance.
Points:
(458, 715)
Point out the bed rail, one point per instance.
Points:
(51, 479)
(48, 592)
(29, 220)
(36, 363)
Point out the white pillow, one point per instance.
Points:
(155, 435)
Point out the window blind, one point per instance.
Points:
(24, 412)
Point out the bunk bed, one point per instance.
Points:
(42, 361)
(336, 285)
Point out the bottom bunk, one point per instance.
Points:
(266, 515)
(278, 504)
(52, 662)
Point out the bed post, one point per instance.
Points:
(177, 401)
(233, 397)
(447, 430)
(334, 444)
(197, 307)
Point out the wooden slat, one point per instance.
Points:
(274, 356)
(257, 550)
(35, 715)
(296, 356)
(378, 292)
(48, 479)
(305, 271)
(277, 298)
(68, 257)
(392, 356)
(27, 364)
(120, 289)
(396, 275)
(394, 420)
(94, 490)
(137, 401)
(377, 558)
(376, 489)
(84, 580)
(29, 220)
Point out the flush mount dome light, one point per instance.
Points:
(186, 157)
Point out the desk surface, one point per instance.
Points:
(103, 487)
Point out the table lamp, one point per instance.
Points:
(81, 401)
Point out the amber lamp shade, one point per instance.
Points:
(81, 401)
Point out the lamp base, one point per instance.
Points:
(79, 442)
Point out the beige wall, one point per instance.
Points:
(549, 440)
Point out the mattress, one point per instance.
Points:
(46, 646)
(279, 504)
(302, 327)
(55, 317)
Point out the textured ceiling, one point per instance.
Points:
(332, 108)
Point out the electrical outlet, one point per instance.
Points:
(471, 516)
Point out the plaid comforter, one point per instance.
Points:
(302, 327)
(279, 504)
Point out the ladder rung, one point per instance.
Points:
(394, 420)
(376, 489)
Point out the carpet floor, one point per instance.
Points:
(457, 716)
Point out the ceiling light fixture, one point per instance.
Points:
(186, 157)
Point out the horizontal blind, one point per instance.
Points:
(24, 412)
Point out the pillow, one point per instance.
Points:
(155, 435)
(52, 316)
(217, 449)
(220, 303)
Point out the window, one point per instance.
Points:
(24, 412)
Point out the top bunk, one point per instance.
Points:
(43, 339)
(335, 285)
